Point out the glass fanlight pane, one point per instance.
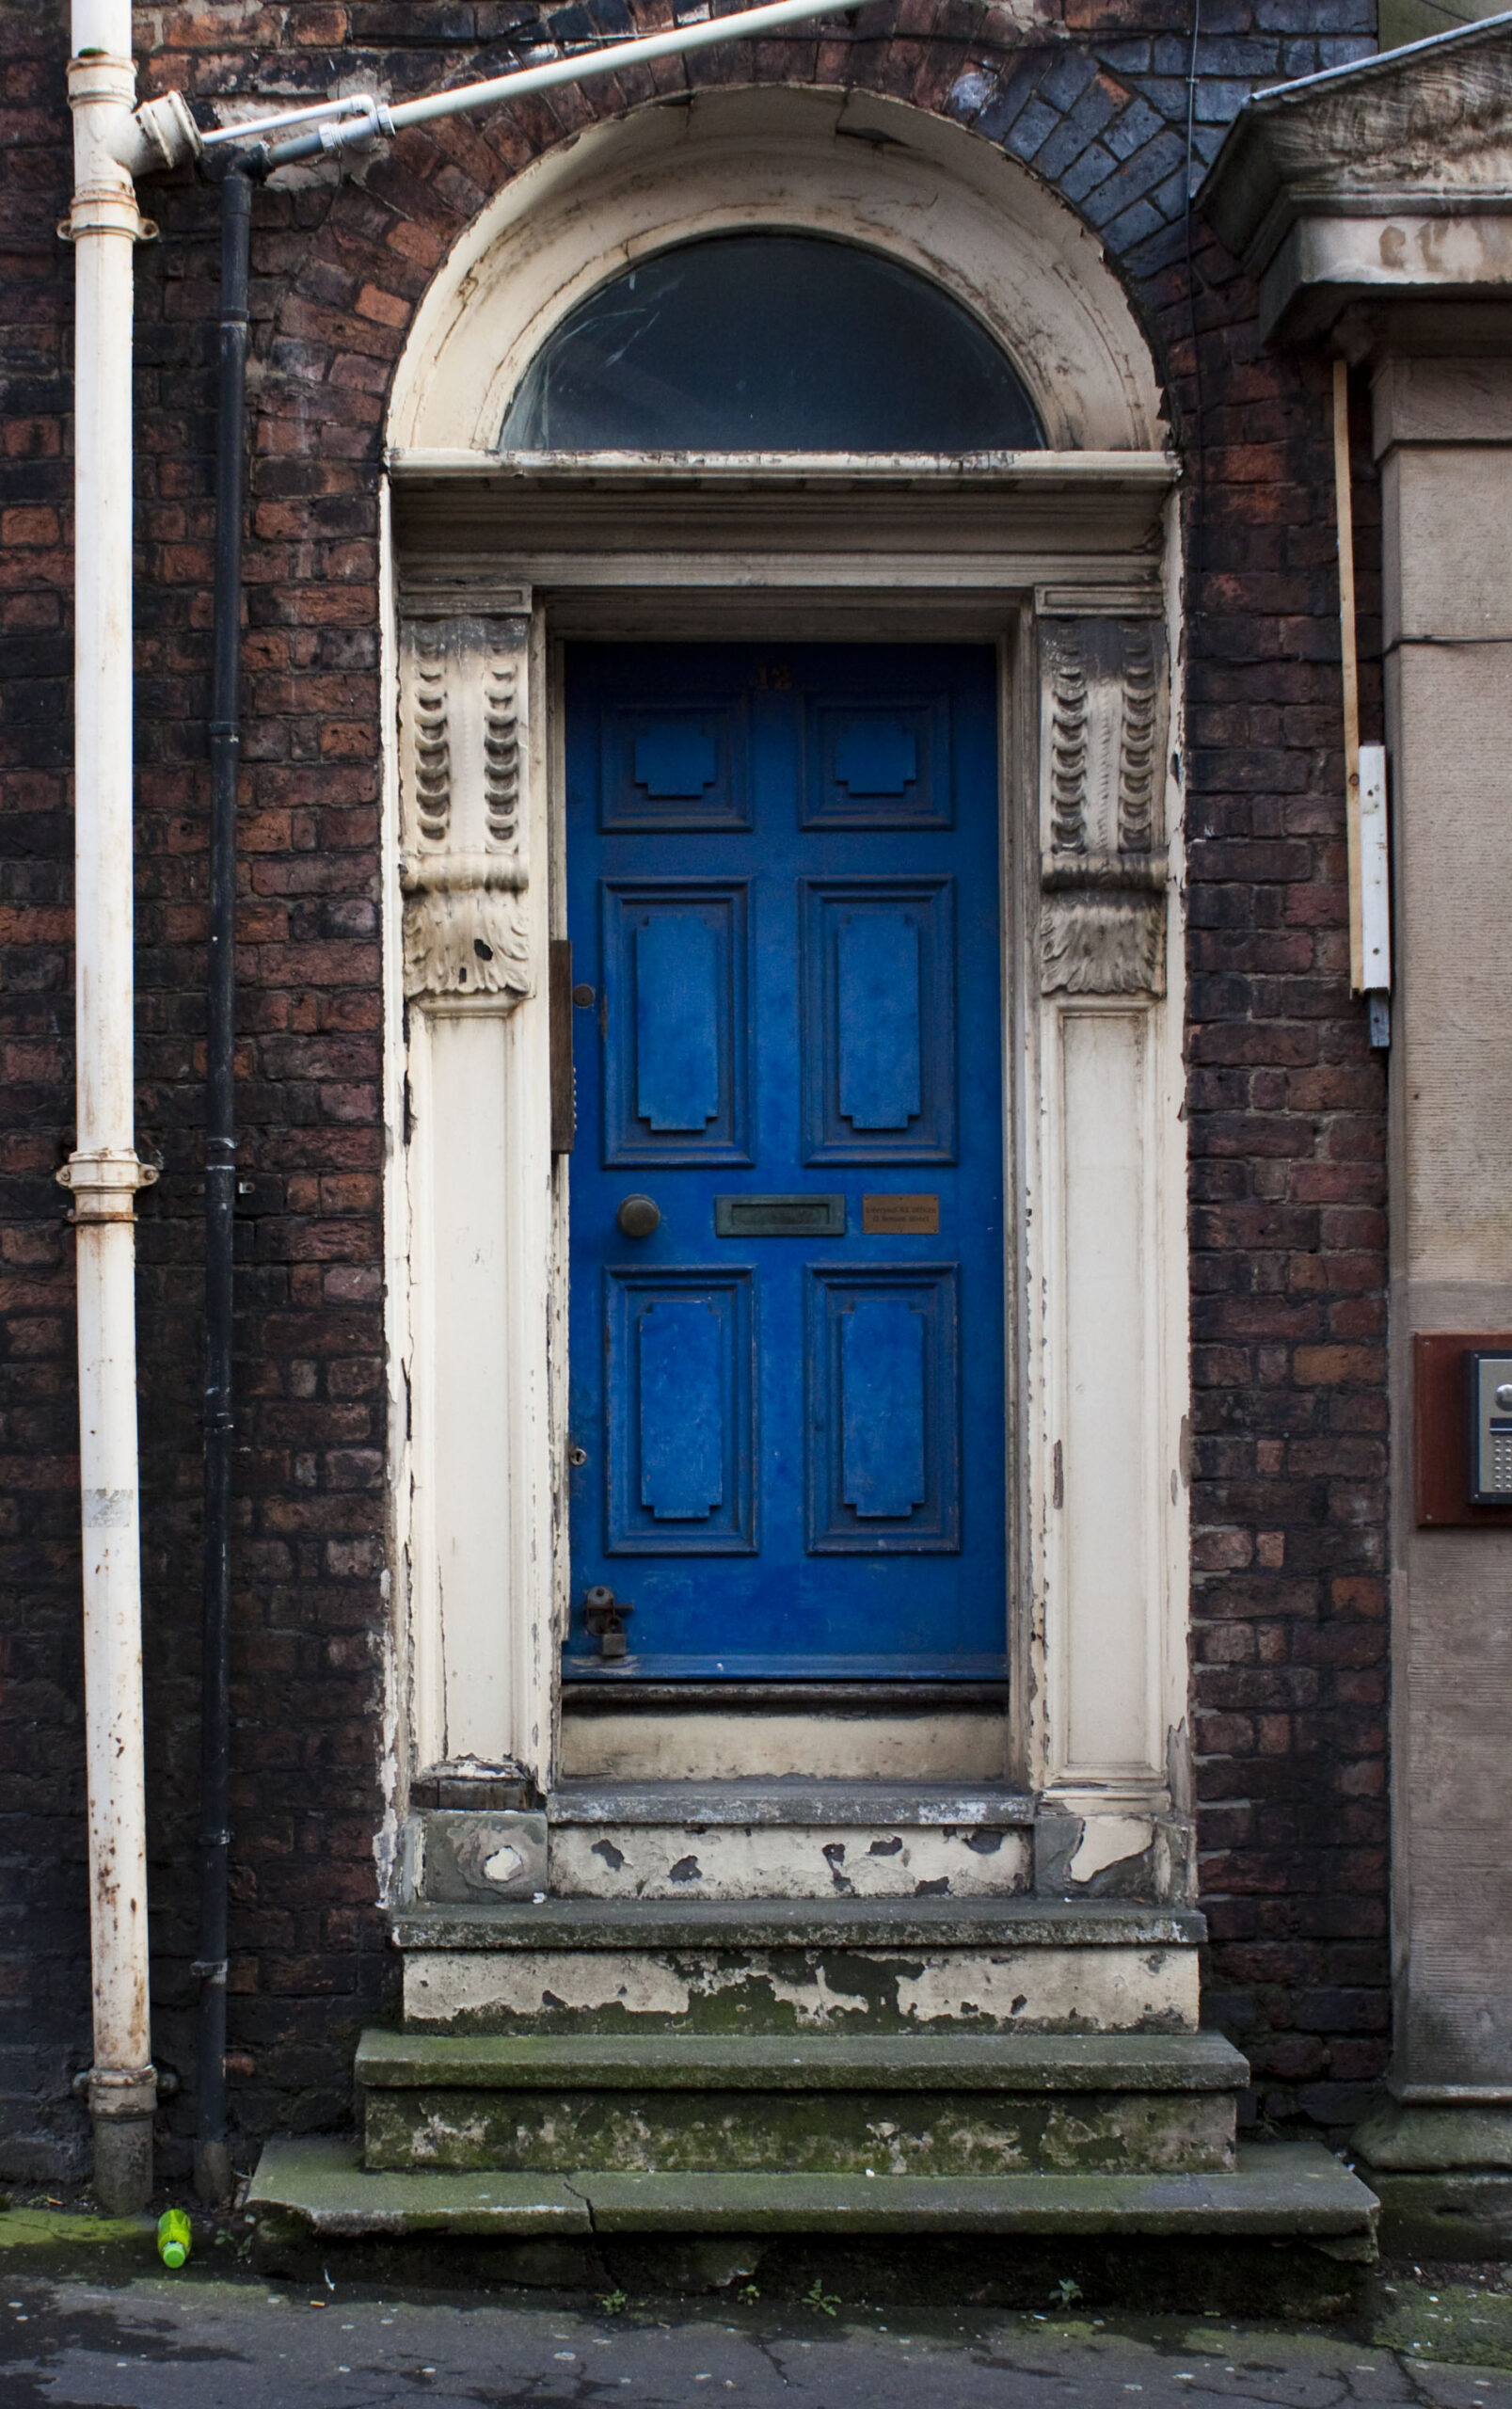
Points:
(771, 342)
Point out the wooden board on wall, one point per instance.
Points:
(1439, 1441)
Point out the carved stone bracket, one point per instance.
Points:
(1102, 932)
(463, 867)
(1102, 738)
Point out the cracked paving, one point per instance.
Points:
(209, 2343)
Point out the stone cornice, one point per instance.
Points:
(1392, 177)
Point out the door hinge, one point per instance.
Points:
(564, 1086)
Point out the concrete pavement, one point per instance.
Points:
(202, 2341)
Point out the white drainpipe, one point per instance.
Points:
(103, 1173)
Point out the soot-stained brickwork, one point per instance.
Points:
(1285, 1110)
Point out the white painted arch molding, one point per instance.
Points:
(854, 165)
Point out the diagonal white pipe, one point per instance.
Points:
(104, 1172)
(608, 60)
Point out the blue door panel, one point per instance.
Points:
(681, 764)
(877, 1041)
(676, 1055)
(679, 1412)
(882, 1408)
(682, 1410)
(782, 893)
(876, 764)
(878, 1001)
(676, 1022)
(884, 1424)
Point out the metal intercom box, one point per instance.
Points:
(1445, 1428)
(1488, 1426)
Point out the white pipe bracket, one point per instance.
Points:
(105, 214)
(125, 2091)
(104, 1185)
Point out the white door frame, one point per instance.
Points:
(1094, 1146)
(1068, 558)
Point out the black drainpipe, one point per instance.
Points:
(212, 2166)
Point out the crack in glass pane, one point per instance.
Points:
(771, 342)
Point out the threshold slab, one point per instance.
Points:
(1291, 2191)
(323, 2182)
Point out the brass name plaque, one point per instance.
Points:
(901, 1216)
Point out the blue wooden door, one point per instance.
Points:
(786, 1398)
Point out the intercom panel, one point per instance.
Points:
(1456, 1472)
(1488, 1426)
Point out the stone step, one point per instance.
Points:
(874, 2104)
(1282, 2191)
(687, 1840)
(793, 1799)
(911, 1965)
(789, 1839)
(805, 2062)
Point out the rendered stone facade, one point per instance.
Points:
(1363, 207)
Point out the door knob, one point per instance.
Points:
(639, 1215)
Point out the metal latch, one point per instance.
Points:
(604, 1615)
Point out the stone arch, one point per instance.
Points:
(866, 169)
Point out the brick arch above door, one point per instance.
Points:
(853, 165)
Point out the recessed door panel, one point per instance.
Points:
(680, 1413)
(879, 1034)
(682, 765)
(873, 763)
(879, 1016)
(787, 1197)
(676, 1022)
(676, 1068)
(883, 1451)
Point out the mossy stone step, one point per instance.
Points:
(812, 2132)
(1279, 2190)
(864, 2105)
(321, 2180)
(1292, 2191)
(781, 1966)
(802, 2061)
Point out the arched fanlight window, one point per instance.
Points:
(771, 342)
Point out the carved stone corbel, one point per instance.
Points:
(1103, 926)
(1103, 916)
(463, 867)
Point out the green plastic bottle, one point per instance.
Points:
(175, 2236)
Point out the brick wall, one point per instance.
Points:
(1285, 1107)
(44, 1970)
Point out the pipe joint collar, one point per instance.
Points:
(98, 80)
(118, 2095)
(106, 210)
(368, 121)
(103, 1184)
